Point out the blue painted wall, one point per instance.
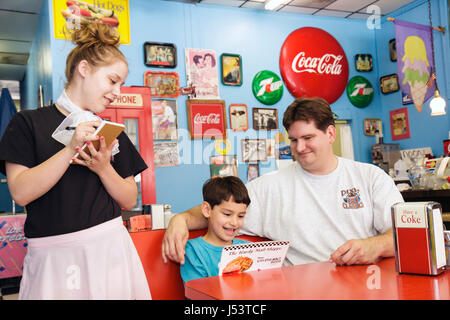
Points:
(254, 34)
(257, 36)
(425, 130)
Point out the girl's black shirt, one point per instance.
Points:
(78, 200)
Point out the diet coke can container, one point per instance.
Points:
(418, 238)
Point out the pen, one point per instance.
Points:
(71, 128)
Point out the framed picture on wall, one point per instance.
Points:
(252, 171)
(389, 83)
(392, 50)
(164, 119)
(238, 117)
(363, 62)
(231, 69)
(406, 98)
(265, 119)
(162, 84)
(202, 72)
(166, 154)
(161, 55)
(399, 123)
(372, 126)
(206, 119)
(254, 150)
(223, 166)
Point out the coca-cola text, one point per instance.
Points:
(411, 219)
(327, 64)
(212, 118)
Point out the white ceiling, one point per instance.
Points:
(19, 19)
(353, 9)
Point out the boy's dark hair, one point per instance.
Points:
(309, 109)
(220, 189)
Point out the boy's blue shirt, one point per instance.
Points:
(202, 259)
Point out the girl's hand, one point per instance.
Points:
(84, 133)
(97, 161)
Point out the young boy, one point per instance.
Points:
(225, 201)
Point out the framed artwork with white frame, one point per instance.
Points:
(254, 150)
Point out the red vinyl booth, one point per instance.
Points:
(163, 279)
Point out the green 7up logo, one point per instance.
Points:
(267, 87)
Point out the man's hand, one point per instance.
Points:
(175, 239)
(364, 251)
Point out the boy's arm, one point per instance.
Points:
(177, 233)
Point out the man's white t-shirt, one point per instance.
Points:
(318, 213)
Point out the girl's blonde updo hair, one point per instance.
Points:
(96, 43)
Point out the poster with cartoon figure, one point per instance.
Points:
(202, 72)
(415, 61)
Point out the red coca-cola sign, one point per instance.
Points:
(206, 118)
(313, 64)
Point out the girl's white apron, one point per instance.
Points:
(100, 262)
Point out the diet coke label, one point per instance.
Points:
(327, 64)
(212, 118)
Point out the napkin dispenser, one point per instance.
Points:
(418, 238)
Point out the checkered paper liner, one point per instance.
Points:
(256, 245)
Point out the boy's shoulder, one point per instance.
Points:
(195, 242)
(199, 242)
(239, 241)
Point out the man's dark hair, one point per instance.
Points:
(309, 109)
(220, 189)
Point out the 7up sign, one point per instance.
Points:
(267, 87)
(359, 91)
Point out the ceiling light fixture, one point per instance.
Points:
(272, 4)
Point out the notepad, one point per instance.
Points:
(107, 129)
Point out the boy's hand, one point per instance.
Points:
(175, 239)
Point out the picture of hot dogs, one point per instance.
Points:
(77, 10)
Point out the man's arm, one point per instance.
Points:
(177, 233)
(364, 251)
